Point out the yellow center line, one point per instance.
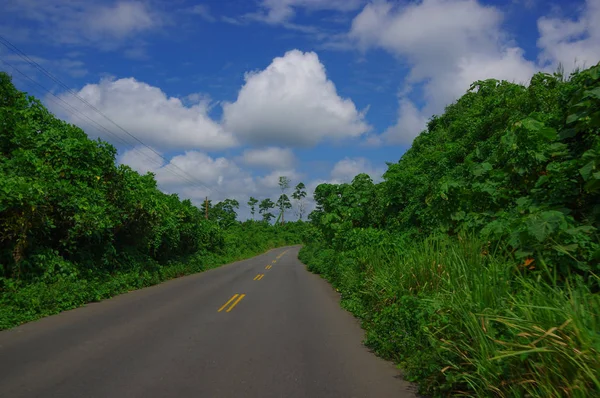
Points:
(227, 303)
(256, 277)
(261, 276)
(236, 302)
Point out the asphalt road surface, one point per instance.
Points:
(260, 328)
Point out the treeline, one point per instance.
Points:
(475, 263)
(75, 227)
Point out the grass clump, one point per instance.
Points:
(462, 319)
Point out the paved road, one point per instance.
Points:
(224, 333)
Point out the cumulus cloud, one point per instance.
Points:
(279, 11)
(346, 169)
(573, 43)
(142, 159)
(147, 113)
(80, 22)
(448, 45)
(193, 174)
(271, 157)
(293, 103)
(196, 175)
(411, 122)
(271, 180)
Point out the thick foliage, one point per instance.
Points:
(76, 227)
(518, 169)
(517, 164)
(461, 319)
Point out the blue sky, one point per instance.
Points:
(238, 92)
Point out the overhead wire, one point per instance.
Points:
(184, 175)
(76, 113)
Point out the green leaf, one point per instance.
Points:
(544, 224)
(482, 168)
(566, 248)
(532, 124)
(587, 170)
(594, 93)
(523, 201)
(568, 133)
(548, 133)
(574, 117)
(580, 230)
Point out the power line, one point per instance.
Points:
(24, 56)
(75, 112)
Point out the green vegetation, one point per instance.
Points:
(75, 227)
(475, 263)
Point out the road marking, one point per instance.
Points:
(268, 267)
(227, 303)
(261, 276)
(274, 261)
(281, 255)
(236, 302)
(258, 277)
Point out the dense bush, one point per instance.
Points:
(475, 262)
(75, 227)
(461, 320)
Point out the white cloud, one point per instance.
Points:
(203, 11)
(271, 180)
(448, 44)
(346, 169)
(80, 22)
(410, 123)
(147, 113)
(279, 11)
(196, 175)
(292, 102)
(119, 20)
(142, 159)
(193, 174)
(574, 43)
(271, 157)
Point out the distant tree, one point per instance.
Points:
(283, 203)
(284, 183)
(299, 195)
(264, 207)
(252, 203)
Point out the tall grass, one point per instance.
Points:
(463, 319)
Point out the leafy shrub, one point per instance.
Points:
(75, 227)
(474, 264)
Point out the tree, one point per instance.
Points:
(299, 195)
(283, 203)
(224, 212)
(252, 203)
(264, 207)
(284, 183)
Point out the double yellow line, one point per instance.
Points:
(281, 255)
(235, 300)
